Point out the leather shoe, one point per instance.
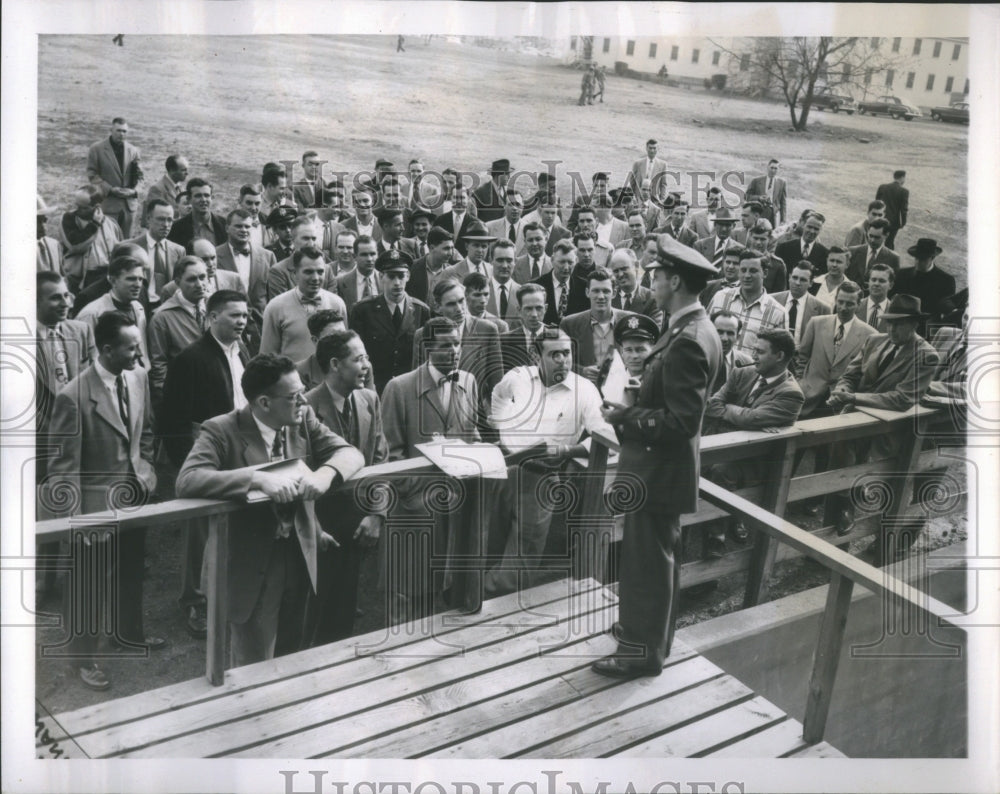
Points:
(843, 523)
(617, 632)
(615, 667)
(94, 678)
(197, 625)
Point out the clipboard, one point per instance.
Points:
(291, 467)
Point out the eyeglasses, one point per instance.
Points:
(296, 396)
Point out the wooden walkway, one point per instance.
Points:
(510, 682)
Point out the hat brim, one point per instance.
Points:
(912, 251)
(479, 238)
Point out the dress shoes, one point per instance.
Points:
(93, 677)
(152, 643)
(843, 522)
(196, 623)
(616, 667)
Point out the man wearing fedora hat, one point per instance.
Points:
(926, 281)
(891, 371)
(477, 241)
(660, 448)
(713, 248)
(490, 197)
(49, 255)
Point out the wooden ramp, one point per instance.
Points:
(510, 682)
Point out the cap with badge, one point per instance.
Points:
(478, 233)
(282, 214)
(674, 255)
(636, 326)
(393, 260)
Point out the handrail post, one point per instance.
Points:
(824, 672)
(217, 551)
(907, 459)
(593, 537)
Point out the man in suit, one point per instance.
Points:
(491, 197)
(872, 308)
(387, 323)
(125, 276)
(342, 402)
(749, 216)
(477, 297)
(799, 305)
(586, 228)
(609, 229)
(534, 262)
(309, 190)
(419, 194)
(420, 221)
(675, 225)
(163, 255)
(775, 270)
(364, 223)
(728, 326)
(87, 237)
(362, 282)
(773, 190)
(875, 251)
(713, 248)
(547, 217)
(251, 200)
(702, 221)
(592, 331)
(281, 276)
(807, 246)
(630, 296)
(858, 233)
(103, 424)
(201, 222)
(274, 563)
(825, 287)
(926, 281)
(730, 275)
(897, 204)
(113, 166)
(458, 220)
(215, 279)
(509, 225)
(660, 447)
(426, 271)
(203, 381)
(252, 264)
(170, 186)
(517, 344)
(390, 221)
(826, 349)
(564, 295)
(502, 297)
(342, 253)
(652, 168)
(476, 240)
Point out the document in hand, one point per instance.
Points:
(460, 459)
(293, 467)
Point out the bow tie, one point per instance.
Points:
(310, 301)
(242, 251)
(451, 376)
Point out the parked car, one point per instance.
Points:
(959, 112)
(827, 100)
(891, 106)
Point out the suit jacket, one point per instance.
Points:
(812, 307)
(902, 383)
(578, 327)
(857, 266)
(218, 467)
(661, 433)
(78, 344)
(223, 279)
(740, 359)
(198, 386)
(686, 236)
(104, 171)
(163, 271)
(261, 262)
(49, 255)
(489, 204)
(640, 171)
(897, 203)
(779, 193)
(447, 222)
(93, 310)
(790, 252)
(367, 414)
(515, 350)
(408, 245)
(462, 268)
(643, 302)
(819, 364)
(97, 452)
(498, 228)
(513, 307)
(165, 190)
(502, 326)
(182, 232)
(306, 194)
(391, 352)
(777, 405)
(412, 411)
(417, 285)
(706, 246)
(171, 330)
(699, 222)
(865, 307)
(576, 301)
(522, 268)
(480, 355)
(619, 232)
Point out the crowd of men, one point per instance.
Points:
(345, 323)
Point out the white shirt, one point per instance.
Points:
(266, 433)
(189, 307)
(232, 353)
(365, 230)
(847, 328)
(153, 245)
(872, 306)
(526, 412)
(242, 262)
(604, 233)
(443, 388)
(257, 233)
(824, 293)
(109, 381)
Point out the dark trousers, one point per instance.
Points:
(649, 584)
(194, 536)
(890, 241)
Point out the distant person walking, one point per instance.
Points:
(587, 87)
(119, 40)
(399, 44)
(599, 77)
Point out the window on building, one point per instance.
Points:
(846, 75)
(652, 50)
(630, 48)
(674, 52)
(956, 52)
(607, 45)
(868, 76)
(895, 44)
(744, 63)
(930, 82)
(937, 49)
(694, 55)
(916, 46)
(715, 58)
(572, 42)
(910, 77)
(890, 75)
(949, 84)
(966, 91)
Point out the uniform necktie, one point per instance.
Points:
(758, 387)
(563, 300)
(122, 391)
(397, 318)
(278, 446)
(839, 336)
(535, 269)
(503, 301)
(887, 359)
(793, 314)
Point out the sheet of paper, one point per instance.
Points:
(460, 459)
(294, 467)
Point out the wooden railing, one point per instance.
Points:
(592, 528)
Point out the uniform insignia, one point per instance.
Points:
(393, 253)
(633, 322)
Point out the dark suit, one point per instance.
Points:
(515, 350)
(578, 327)
(776, 405)
(685, 235)
(643, 302)
(660, 447)
(480, 355)
(790, 252)
(261, 262)
(418, 285)
(809, 306)
(778, 197)
(307, 195)
(262, 600)
(446, 221)
(933, 287)
(857, 263)
(390, 351)
(522, 268)
(489, 204)
(897, 204)
(576, 301)
(182, 232)
(330, 612)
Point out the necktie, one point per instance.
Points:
(444, 385)
(770, 187)
(242, 251)
(512, 233)
(278, 447)
(421, 249)
(720, 251)
(536, 270)
(839, 336)
(806, 247)
(158, 267)
(758, 387)
(122, 391)
(58, 357)
(345, 419)
(627, 302)
(397, 319)
(871, 255)
(531, 343)
(199, 315)
(887, 358)
(793, 314)
(368, 288)
(503, 301)
(479, 268)
(563, 299)
(44, 253)
(873, 320)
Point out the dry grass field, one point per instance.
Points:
(232, 103)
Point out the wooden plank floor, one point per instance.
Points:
(511, 682)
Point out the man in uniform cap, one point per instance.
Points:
(621, 376)
(387, 323)
(491, 197)
(279, 221)
(660, 447)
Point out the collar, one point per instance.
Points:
(392, 306)
(266, 433)
(236, 253)
(875, 251)
(793, 298)
(43, 330)
(185, 303)
(683, 312)
(338, 399)
(107, 378)
(774, 378)
(601, 323)
(748, 304)
(151, 242)
(303, 299)
(873, 302)
(231, 349)
(436, 374)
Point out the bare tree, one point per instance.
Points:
(794, 66)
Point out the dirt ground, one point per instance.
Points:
(232, 103)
